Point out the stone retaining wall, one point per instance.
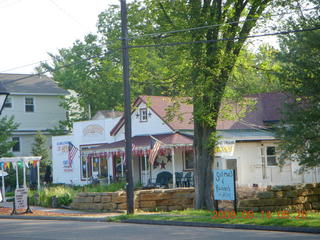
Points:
(294, 198)
(155, 199)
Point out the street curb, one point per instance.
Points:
(57, 218)
(229, 226)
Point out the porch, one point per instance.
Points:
(173, 166)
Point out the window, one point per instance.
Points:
(188, 160)
(271, 156)
(143, 115)
(29, 104)
(16, 146)
(8, 103)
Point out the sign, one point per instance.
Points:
(224, 148)
(21, 198)
(223, 184)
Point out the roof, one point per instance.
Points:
(108, 114)
(182, 120)
(145, 141)
(2, 88)
(266, 110)
(31, 84)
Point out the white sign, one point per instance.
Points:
(223, 184)
(224, 148)
(21, 198)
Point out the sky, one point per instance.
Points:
(32, 28)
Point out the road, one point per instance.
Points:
(67, 230)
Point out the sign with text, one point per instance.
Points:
(224, 148)
(21, 198)
(223, 184)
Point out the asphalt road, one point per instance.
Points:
(67, 230)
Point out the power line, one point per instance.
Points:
(26, 65)
(214, 25)
(169, 44)
(224, 39)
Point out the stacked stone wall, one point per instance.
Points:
(292, 198)
(156, 199)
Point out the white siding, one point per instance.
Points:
(154, 125)
(47, 112)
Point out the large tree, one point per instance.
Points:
(211, 65)
(300, 55)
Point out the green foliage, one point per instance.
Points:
(300, 132)
(7, 126)
(40, 148)
(64, 196)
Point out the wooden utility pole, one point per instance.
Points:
(127, 107)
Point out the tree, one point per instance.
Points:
(300, 130)
(40, 148)
(7, 126)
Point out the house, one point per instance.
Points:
(34, 102)
(247, 144)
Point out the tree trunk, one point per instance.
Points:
(203, 163)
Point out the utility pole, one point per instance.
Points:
(127, 107)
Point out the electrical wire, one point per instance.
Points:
(215, 25)
(224, 39)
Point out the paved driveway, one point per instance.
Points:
(65, 230)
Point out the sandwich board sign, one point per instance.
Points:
(224, 185)
(21, 200)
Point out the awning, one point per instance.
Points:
(142, 144)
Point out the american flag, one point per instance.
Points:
(72, 151)
(155, 146)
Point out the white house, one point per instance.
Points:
(34, 103)
(247, 145)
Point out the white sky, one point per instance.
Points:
(32, 28)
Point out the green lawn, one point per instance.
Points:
(281, 218)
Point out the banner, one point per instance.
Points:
(224, 148)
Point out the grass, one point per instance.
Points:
(281, 218)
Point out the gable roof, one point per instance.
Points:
(159, 105)
(267, 109)
(31, 84)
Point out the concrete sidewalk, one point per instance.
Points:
(67, 214)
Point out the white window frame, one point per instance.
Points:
(185, 163)
(265, 156)
(7, 100)
(143, 114)
(25, 104)
(19, 141)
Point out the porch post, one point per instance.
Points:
(173, 169)
(38, 173)
(122, 160)
(87, 169)
(3, 186)
(17, 174)
(145, 168)
(24, 175)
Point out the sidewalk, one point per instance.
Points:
(56, 214)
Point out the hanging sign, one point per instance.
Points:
(224, 184)
(224, 148)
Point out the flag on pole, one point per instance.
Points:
(72, 151)
(155, 146)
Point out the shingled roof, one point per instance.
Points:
(267, 110)
(31, 84)
(159, 105)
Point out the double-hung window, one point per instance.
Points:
(29, 104)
